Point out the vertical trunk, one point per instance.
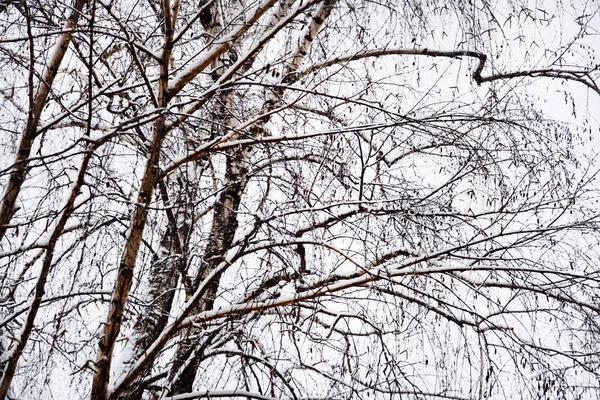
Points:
(124, 279)
(16, 351)
(225, 222)
(19, 169)
(223, 231)
(164, 276)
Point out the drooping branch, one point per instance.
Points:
(373, 273)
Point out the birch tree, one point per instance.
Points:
(299, 199)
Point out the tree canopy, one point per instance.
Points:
(303, 199)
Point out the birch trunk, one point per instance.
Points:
(225, 221)
(124, 279)
(16, 350)
(19, 169)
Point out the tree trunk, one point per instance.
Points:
(19, 168)
(223, 231)
(124, 279)
(225, 222)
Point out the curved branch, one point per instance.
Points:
(581, 76)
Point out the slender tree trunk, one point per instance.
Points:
(165, 274)
(16, 351)
(225, 221)
(19, 168)
(124, 279)
(223, 231)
